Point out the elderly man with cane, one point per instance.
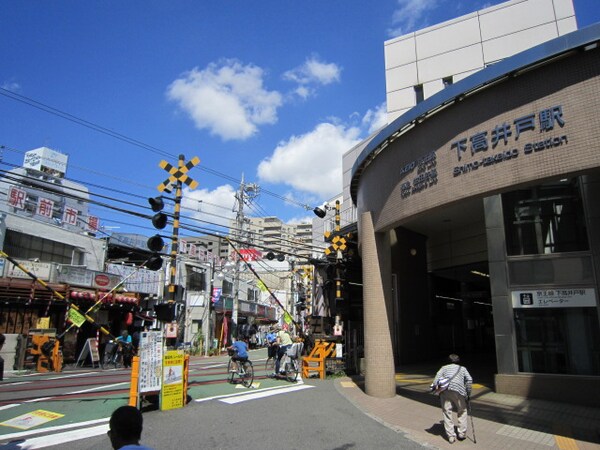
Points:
(453, 384)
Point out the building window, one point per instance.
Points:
(196, 280)
(419, 95)
(252, 295)
(545, 219)
(227, 288)
(23, 246)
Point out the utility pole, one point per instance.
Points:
(246, 193)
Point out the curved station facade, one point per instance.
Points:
(479, 225)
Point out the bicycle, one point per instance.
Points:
(242, 369)
(112, 355)
(291, 366)
(271, 358)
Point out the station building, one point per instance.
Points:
(478, 220)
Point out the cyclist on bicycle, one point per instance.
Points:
(240, 350)
(272, 343)
(284, 341)
(126, 348)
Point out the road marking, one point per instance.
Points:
(263, 394)
(106, 386)
(73, 375)
(61, 438)
(67, 426)
(12, 405)
(211, 367)
(14, 384)
(218, 397)
(37, 399)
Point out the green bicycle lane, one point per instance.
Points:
(81, 407)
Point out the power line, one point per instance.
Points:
(129, 140)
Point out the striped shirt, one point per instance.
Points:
(461, 383)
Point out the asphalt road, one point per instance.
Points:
(318, 417)
(272, 414)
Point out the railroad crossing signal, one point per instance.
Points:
(337, 243)
(178, 174)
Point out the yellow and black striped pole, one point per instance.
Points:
(175, 236)
(338, 255)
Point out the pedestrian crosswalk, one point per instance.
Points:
(252, 394)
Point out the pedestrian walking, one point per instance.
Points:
(453, 383)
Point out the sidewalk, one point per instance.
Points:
(500, 421)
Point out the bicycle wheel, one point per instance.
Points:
(270, 366)
(231, 372)
(291, 371)
(248, 375)
(106, 361)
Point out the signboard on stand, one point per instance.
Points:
(172, 379)
(151, 356)
(89, 348)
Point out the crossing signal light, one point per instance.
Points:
(159, 220)
(156, 203)
(155, 243)
(165, 312)
(154, 263)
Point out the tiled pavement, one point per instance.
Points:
(500, 421)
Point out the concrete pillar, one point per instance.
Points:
(379, 355)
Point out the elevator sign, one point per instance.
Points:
(554, 298)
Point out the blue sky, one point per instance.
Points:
(274, 90)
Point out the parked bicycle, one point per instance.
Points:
(242, 370)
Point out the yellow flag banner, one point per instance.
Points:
(261, 286)
(287, 318)
(76, 318)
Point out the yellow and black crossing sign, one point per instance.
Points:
(178, 174)
(337, 243)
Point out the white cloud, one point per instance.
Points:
(11, 86)
(301, 219)
(313, 72)
(312, 162)
(227, 98)
(409, 14)
(376, 118)
(214, 207)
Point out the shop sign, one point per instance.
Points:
(216, 294)
(554, 298)
(39, 269)
(78, 276)
(137, 279)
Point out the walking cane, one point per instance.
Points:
(471, 416)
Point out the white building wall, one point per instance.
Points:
(459, 47)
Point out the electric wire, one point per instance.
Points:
(70, 117)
